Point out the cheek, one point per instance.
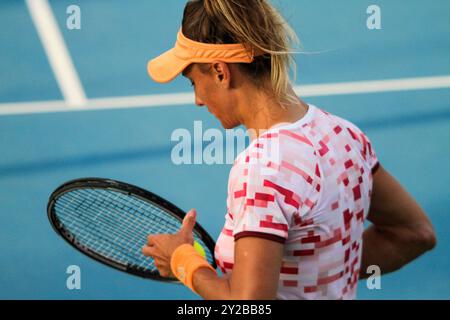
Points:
(219, 103)
(209, 94)
(215, 97)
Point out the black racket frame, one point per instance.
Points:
(128, 189)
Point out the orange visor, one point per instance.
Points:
(170, 64)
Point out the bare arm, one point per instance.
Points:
(255, 273)
(400, 230)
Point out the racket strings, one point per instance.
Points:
(102, 236)
(110, 231)
(119, 222)
(115, 224)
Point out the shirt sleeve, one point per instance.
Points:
(369, 153)
(364, 145)
(266, 197)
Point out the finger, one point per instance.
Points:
(162, 270)
(189, 222)
(164, 273)
(151, 239)
(148, 251)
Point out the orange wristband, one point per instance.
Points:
(185, 261)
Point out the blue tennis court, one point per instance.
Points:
(123, 128)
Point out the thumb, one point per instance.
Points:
(189, 222)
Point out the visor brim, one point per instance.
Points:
(166, 67)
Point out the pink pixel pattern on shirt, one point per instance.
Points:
(307, 185)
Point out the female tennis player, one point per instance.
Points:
(294, 222)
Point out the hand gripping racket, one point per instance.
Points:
(109, 221)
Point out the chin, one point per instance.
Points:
(228, 125)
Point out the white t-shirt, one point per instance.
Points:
(307, 185)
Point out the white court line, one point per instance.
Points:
(374, 86)
(57, 53)
(177, 99)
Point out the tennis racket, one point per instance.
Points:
(109, 221)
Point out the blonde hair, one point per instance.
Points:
(254, 23)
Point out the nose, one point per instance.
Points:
(198, 102)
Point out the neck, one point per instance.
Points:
(260, 112)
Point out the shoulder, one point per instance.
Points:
(361, 140)
(281, 159)
(277, 146)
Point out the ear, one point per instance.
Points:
(222, 73)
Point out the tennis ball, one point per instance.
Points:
(199, 248)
